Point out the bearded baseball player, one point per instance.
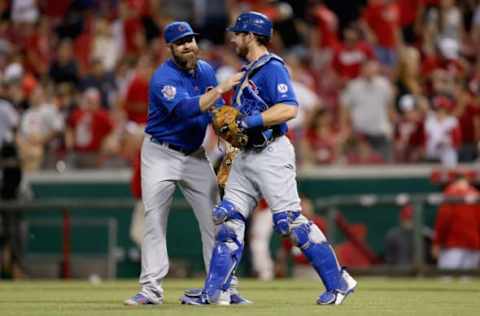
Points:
(265, 167)
(182, 91)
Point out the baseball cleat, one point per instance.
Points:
(194, 300)
(235, 297)
(142, 299)
(238, 299)
(194, 297)
(336, 297)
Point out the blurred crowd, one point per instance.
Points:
(378, 81)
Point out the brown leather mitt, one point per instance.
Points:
(225, 124)
(226, 165)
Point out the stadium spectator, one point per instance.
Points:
(399, 248)
(87, 128)
(408, 79)
(106, 47)
(135, 103)
(361, 152)
(134, 41)
(9, 117)
(381, 22)
(66, 42)
(323, 141)
(41, 124)
(468, 113)
(37, 48)
(24, 11)
(409, 129)
(367, 102)
(101, 80)
(457, 228)
(323, 35)
(399, 240)
(350, 54)
(444, 57)
(442, 133)
(303, 86)
(64, 68)
(444, 21)
(211, 19)
(410, 17)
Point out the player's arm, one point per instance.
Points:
(208, 100)
(279, 91)
(277, 114)
(176, 99)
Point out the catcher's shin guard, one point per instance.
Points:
(320, 255)
(225, 259)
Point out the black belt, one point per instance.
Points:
(173, 147)
(257, 143)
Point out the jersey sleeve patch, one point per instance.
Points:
(169, 92)
(282, 88)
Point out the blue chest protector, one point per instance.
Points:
(248, 101)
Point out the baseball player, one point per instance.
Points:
(265, 168)
(182, 90)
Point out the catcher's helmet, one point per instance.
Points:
(177, 30)
(254, 22)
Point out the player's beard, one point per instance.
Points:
(186, 60)
(242, 51)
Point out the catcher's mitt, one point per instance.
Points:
(225, 125)
(226, 165)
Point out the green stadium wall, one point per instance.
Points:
(184, 244)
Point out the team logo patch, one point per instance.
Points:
(169, 92)
(282, 88)
(253, 86)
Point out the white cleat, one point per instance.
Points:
(336, 297)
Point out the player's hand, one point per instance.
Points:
(242, 124)
(230, 82)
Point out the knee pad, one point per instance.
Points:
(224, 211)
(304, 234)
(283, 220)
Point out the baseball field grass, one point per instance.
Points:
(374, 296)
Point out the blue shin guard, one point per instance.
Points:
(225, 259)
(320, 255)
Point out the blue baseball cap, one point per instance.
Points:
(177, 30)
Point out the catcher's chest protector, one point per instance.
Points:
(246, 97)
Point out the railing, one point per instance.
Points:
(418, 201)
(331, 204)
